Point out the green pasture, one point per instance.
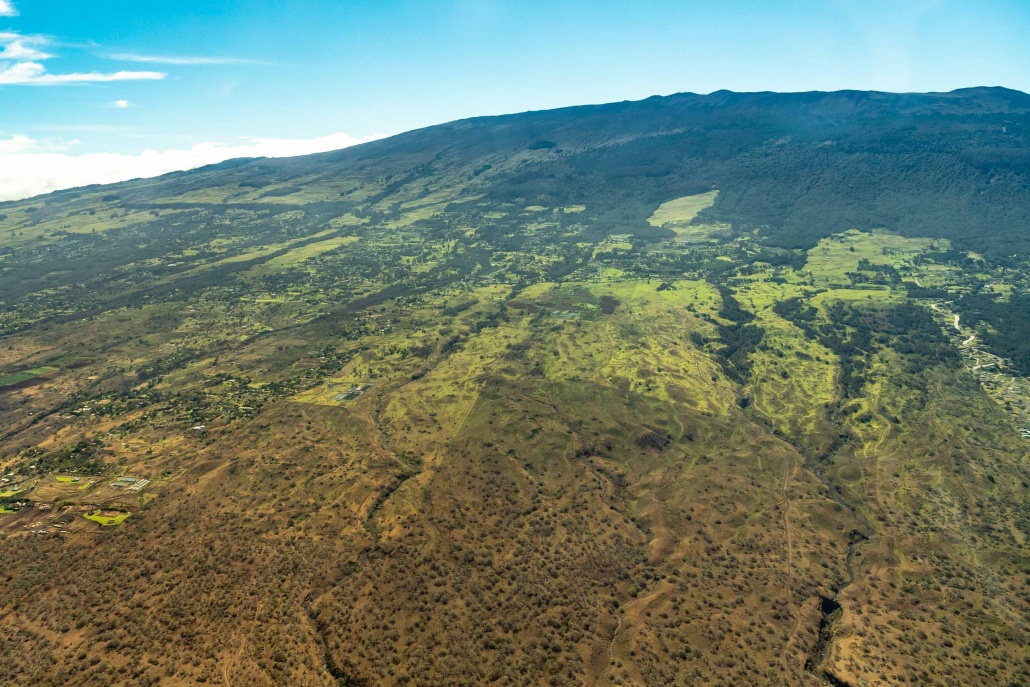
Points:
(105, 521)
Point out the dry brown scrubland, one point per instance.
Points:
(574, 502)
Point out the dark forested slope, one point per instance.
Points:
(804, 165)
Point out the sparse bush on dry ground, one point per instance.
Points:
(590, 453)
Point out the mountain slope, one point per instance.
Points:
(717, 389)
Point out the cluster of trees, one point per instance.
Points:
(80, 457)
(1007, 331)
(882, 274)
(855, 333)
(739, 338)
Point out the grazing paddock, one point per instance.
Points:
(107, 518)
(20, 378)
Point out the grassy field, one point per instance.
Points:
(19, 377)
(682, 210)
(107, 518)
(837, 256)
(678, 215)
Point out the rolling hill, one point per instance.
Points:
(703, 389)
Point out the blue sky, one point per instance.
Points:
(84, 78)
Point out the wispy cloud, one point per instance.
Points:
(20, 65)
(178, 59)
(29, 167)
(80, 128)
(30, 39)
(35, 74)
(7, 9)
(120, 104)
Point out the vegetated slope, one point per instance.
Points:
(803, 165)
(449, 409)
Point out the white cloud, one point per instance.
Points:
(20, 50)
(35, 74)
(7, 9)
(17, 144)
(178, 60)
(29, 168)
(120, 104)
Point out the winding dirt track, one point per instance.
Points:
(230, 663)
